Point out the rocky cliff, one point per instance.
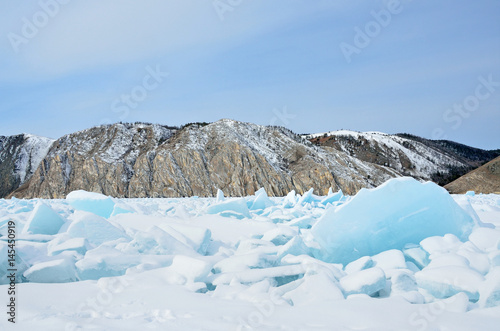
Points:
(146, 160)
(140, 160)
(20, 156)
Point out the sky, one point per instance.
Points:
(425, 67)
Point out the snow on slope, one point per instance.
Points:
(26, 151)
(251, 263)
(137, 161)
(276, 142)
(113, 143)
(31, 153)
(424, 161)
(20, 156)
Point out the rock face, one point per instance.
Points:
(20, 156)
(485, 179)
(438, 160)
(140, 160)
(146, 160)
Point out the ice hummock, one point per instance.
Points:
(368, 281)
(43, 220)
(235, 207)
(446, 281)
(399, 212)
(55, 271)
(96, 203)
(95, 229)
(251, 263)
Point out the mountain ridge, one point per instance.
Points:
(438, 160)
(152, 160)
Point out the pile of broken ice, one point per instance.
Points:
(404, 238)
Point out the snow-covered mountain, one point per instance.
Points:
(437, 160)
(20, 156)
(146, 160)
(142, 160)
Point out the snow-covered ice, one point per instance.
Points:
(43, 220)
(368, 281)
(404, 256)
(55, 271)
(390, 216)
(92, 202)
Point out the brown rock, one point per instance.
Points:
(485, 179)
(153, 161)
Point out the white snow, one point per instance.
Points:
(440, 245)
(318, 287)
(485, 239)
(396, 147)
(490, 289)
(368, 281)
(362, 263)
(449, 259)
(388, 260)
(443, 282)
(31, 154)
(55, 271)
(191, 269)
(254, 263)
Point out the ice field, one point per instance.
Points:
(404, 256)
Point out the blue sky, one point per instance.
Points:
(431, 68)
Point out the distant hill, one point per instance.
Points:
(441, 161)
(485, 179)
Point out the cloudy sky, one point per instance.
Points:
(430, 68)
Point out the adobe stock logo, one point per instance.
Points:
(31, 27)
(221, 7)
(282, 116)
(139, 93)
(471, 103)
(363, 37)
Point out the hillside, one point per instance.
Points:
(485, 179)
(437, 160)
